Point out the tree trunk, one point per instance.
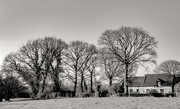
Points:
(85, 85)
(44, 83)
(125, 79)
(82, 79)
(57, 85)
(34, 94)
(173, 84)
(35, 85)
(110, 82)
(35, 90)
(91, 83)
(110, 86)
(95, 80)
(45, 75)
(75, 84)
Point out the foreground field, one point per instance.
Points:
(96, 103)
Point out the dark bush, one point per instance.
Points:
(170, 95)
(139, 94)
(104, 93)
(118, 88)
(155, 93)
(1, 97)
(86, 95)
(123, 95)
(133, 94)
(1, 90)
(23, 95)
(9, 87)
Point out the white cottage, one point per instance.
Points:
(163, 83)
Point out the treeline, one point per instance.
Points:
(50, 63)
(50, 60)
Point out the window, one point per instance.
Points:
(131, 90)
(137, 90)
(161, 90)
(147, 90)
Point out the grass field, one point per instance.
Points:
(96, 103)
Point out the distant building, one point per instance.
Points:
(162, 83)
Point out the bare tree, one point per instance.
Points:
(112, 67)
(92, 65)
(53, 54)
(32, 62)
(170, 67)
(77, 57)
(74, 56)
(88, 57)
(129, 45)
(28, 64)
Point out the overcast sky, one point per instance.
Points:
(22, 20)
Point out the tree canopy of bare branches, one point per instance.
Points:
(112, 67)
(78, 56)
(92, 65)
(169, 66)
(37, 62)
(130, 45)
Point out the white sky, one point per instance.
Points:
(21, 20)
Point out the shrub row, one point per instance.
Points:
(133, 94)
(139, 94)
(146, 94)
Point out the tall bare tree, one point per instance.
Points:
(92, 66)
(53, 54)
(77, 57)
(130, 45)
(32, 62)
(88, 57)
(28, 64)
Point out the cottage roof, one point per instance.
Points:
(136, 81)
(151, 80)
